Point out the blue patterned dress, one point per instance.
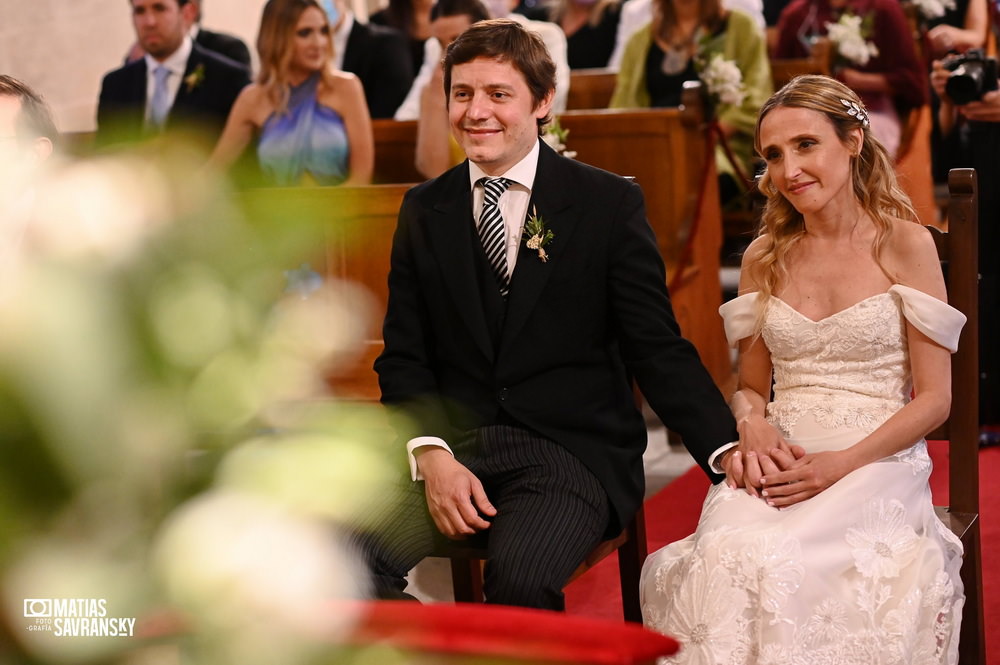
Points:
(307, 144)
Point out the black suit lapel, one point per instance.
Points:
(552, 200)
(186, 92)
(137, 85)
(132, 120)
(450, 231)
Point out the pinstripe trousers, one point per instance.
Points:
(551, 512)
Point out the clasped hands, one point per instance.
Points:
(768, 467)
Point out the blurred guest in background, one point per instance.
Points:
(636, 14)
(312, 120)
(959, 29)
(680, 41)
(437, 150)
(891, 81)
(177, 84)
(224, 44)
(413, 19)
(590, 27)
(977, 124)
(377, 54)
(228, 45)
(552, 37)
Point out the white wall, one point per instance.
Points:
(62, 48)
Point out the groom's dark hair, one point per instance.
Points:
(507, 41)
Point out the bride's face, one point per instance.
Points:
(807, 161)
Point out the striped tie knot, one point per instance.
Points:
(491, 230)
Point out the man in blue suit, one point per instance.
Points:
(526, 292)
(176, 85)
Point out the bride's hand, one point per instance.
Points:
(803, 478)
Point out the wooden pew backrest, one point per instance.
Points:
(784, 70)
(395, 151)
(590, 88)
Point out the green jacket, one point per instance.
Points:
(741, 42)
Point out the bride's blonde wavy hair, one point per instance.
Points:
(873, 177)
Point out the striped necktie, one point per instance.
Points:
(491, 230)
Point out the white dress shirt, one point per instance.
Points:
(636, 14)
(176, 63)
(340, 40)
(553, 38)
(513, 206)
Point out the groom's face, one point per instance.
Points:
(492, 114)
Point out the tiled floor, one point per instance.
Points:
(431, 580)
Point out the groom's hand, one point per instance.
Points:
(455, 497)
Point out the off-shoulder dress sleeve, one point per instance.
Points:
(738, 316)
(934, 318)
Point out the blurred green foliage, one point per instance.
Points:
(167, 442)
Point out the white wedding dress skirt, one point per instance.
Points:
(863, 572)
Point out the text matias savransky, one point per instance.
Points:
(76, 617)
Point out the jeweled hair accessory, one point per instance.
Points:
(857, 111)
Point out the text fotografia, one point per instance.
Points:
(76, 617)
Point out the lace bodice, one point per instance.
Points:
(850, 369)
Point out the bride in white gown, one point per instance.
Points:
(822, 545)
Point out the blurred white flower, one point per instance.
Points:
(931, 9)
(555, 137)
(101, 208)
(849, 37)
(243, 565)
(330, 474)
(724, 80)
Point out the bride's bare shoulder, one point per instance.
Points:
(911, 255)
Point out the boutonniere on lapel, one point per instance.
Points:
(195, 78)
(538, 236)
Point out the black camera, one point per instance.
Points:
(972, 75)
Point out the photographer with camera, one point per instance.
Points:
(970, 106)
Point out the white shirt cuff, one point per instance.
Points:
(413, 444)
(717, 454)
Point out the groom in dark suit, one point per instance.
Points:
(175, 85)
(513, 353)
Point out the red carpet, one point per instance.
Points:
(673, 514)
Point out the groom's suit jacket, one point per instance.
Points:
(576, 328)
(201, 105)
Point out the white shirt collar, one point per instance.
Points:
(522, 173)
(340, 40)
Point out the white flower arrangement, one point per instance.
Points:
(931, 9)
(724, 80)
(555, 137)
(849, 36)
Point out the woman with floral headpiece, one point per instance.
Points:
(692, 39)
(821, 545)
(875, 55)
